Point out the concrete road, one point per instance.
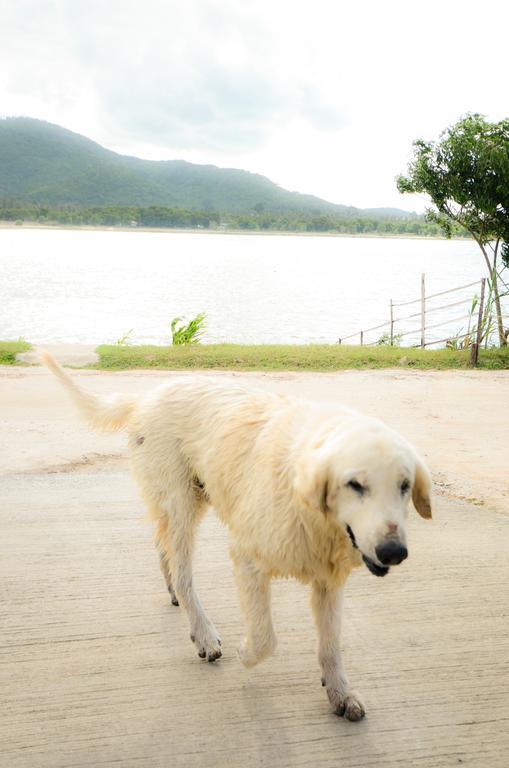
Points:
(97, 668)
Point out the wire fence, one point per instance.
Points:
(471, 325)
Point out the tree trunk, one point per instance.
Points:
(501, 335)
(492, 269)
(500, 323)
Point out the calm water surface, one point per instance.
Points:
(94, 286)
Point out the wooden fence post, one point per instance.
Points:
(423, 311)
(474, 348)
(392, 325)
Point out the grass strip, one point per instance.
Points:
(313, 357)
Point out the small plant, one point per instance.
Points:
(453, 343)
(470, 335)
(385, 340)
(190, 333)
(124, 340)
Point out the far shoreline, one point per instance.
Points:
(204, 231)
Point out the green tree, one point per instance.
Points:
(466, 175)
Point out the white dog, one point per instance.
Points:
(306, 491)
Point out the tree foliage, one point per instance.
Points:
(466, 175)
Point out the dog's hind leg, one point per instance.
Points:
(254, 591)
(165, 570)
(183, 513)
(164, 557)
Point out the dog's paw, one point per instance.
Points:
(208, 643)
(251, 654)
(173, 596)
(346, 704)
(354, 707)
(248, 656)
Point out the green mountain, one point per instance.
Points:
(49, 165)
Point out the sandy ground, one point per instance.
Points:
(96, 668)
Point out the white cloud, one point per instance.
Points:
(322, 97)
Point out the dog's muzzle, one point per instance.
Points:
(376, 570)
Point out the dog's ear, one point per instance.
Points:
(421, 492)
(313, 482)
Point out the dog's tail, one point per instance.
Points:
(105, 413)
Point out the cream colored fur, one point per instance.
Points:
(278, 471)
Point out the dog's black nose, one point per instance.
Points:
(391, 552)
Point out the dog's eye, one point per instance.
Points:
(405, 485)
(357, 487)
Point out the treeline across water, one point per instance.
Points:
(179, 218)
(110, 216)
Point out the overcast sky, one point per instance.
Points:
(321, 96)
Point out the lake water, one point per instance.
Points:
(94, 286)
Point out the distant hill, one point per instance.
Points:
(47, 164)
(389, 213)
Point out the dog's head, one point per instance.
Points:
(365, 478)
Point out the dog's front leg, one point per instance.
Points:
(327, 605)
(254, 592)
